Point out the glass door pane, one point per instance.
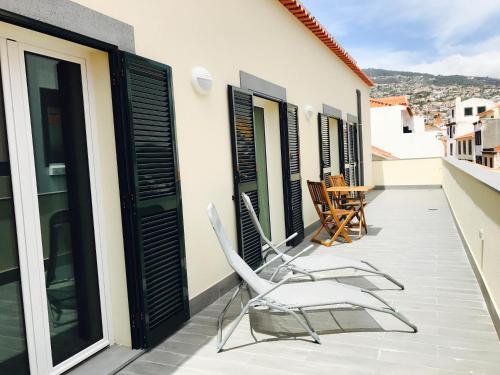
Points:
(13, 351)
(65, 206)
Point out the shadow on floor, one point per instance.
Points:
(275, 326)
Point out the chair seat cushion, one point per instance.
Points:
(323, 261)
(304, 294)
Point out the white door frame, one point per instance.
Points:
(26, 205)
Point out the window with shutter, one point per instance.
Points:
(244, 172)
(361, 172)
(151, 198)
(324, 148)
(291, 171)
(242, 129)
(346, 148)
(351, 161)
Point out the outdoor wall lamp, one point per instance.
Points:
(308, 110)
(201, 79)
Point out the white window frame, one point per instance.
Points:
(26, 201)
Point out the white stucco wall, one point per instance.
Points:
(262, 38)
(408, 172)
(387, 134)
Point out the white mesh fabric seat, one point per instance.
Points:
(291, 298)
(312, 262)
(306, 294)
(315, 263)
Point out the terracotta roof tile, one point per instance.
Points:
(485, 113)
(308, 20)
(389, 101)
(382, 153)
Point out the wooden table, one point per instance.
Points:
(348, 189)
(360, 190)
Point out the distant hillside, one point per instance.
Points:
(432, 94)
(389, 76)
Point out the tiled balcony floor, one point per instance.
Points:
(412, 236)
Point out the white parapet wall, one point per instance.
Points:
(473, 192)
(408, 172)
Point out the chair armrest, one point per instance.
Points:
(266, 247)
(268, 263)
(264, 265)
(298, 254)
(274, 287)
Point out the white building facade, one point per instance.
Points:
(463, 116)
(487, 138)
(397, 130)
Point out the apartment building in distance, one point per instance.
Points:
(465, 147)
(462, 118)
(487, 137)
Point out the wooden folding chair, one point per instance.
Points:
(346, 200)
(334, 221)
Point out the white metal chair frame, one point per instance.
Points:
(250, 277)
(288, 261)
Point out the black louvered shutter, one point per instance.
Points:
(244, 172)
(353, 142)
(292, 188)
(361, 162)
(347, 153)
(151, 199)
(324, 149)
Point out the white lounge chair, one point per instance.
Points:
(315, 263)
(294, 298)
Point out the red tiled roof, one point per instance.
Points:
(465, 136)
(382, 153)
(389, 101)
(497, 149)
(308, 20)
(482, 114)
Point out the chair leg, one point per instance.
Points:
(223, 340)
(379, 298)
(390, 278)
(220, 319)
(306, 318)
(342, 230)
(324, 225)
(311, 332)
(276, 271)
(314, 237)
(402, 318)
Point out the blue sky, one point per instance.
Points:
(439, 37)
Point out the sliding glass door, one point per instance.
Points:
(62, 298)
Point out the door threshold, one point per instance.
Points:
(108, 361)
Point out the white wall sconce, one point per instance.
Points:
(309, 111)
(201, 79)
